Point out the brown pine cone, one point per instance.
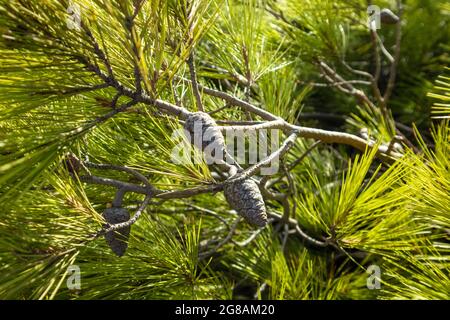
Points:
(244, 197)
(73, 164)
(117, 240)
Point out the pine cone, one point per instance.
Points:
(202, 125)
(73, 164)
(244, 197)
(117, 240)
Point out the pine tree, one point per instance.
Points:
(97, 95)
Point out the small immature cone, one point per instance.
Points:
(73, 164)
(388, 17)
(117, 240)
(244, 197)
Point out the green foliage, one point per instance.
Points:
(442, 88)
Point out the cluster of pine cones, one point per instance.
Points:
(242, 195)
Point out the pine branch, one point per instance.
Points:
(304, 132)
(301, 233)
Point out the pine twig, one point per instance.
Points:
(303, 156)
(355, 71)
(394, 65)
(377, 71)
(300, 232)
(287, 144)
(247, 241)
(131, 171)
(229, 236)
(334, 78)
(210, 213)
(194, 81)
